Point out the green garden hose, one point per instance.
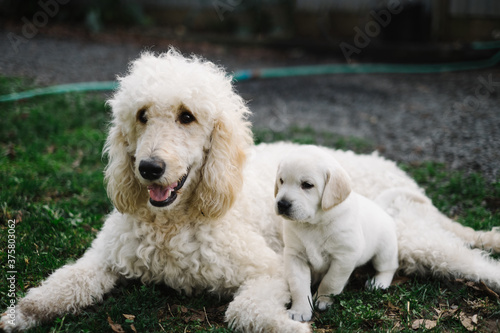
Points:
(61, 89)
(366, 69)
(292, 71)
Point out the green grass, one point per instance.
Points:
(469, 199)
(51, 183)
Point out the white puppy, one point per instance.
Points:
(330, 231)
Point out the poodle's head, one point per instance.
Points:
(178, 137)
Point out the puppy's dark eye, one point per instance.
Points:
(306, 186)
(281, 181)
(186, 117)
(141, 116)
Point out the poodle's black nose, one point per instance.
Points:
(284, 206)
(151, 168)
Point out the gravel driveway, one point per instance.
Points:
(452, 118)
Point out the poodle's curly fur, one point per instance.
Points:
(217, 230)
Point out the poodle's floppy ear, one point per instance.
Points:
(222, 176)
(337, 188)
(123, 188)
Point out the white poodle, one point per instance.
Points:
(194, 206)
(330, 230)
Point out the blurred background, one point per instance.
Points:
(385, 28)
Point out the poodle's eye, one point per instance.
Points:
(306, 186)
(186, 117)
(141, 116)
(281, 181)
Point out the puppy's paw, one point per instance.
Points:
(372, 285)
(380, 281)
(323, 303)
(299, 315)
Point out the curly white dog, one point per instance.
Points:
(194, 205)
(330, 231)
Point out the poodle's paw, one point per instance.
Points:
(323, 303)
(300, 315)
(14, 321)
(7, 324)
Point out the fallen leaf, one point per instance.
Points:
(187, 314)
(76, 163)
(11, 152)
(393, 311)
(19, 217)
(398, 280)
(469, 322)
(195, 316)
(475, 304)
(115, 327)
(487, 289)
(426, 323)
(472, 285)
(444, 312)
(129, 317)
(132, 327)
(480, 286)
(218, 309)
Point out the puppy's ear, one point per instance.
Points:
(222, 173)
(337, 188)
(122, 186)
(276, 182)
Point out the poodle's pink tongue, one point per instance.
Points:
(160, 193)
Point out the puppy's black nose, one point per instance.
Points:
(284, 206)
(151, 168)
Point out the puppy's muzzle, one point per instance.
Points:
(152, 168)
(284, 207)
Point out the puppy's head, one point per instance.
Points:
(309, 181)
